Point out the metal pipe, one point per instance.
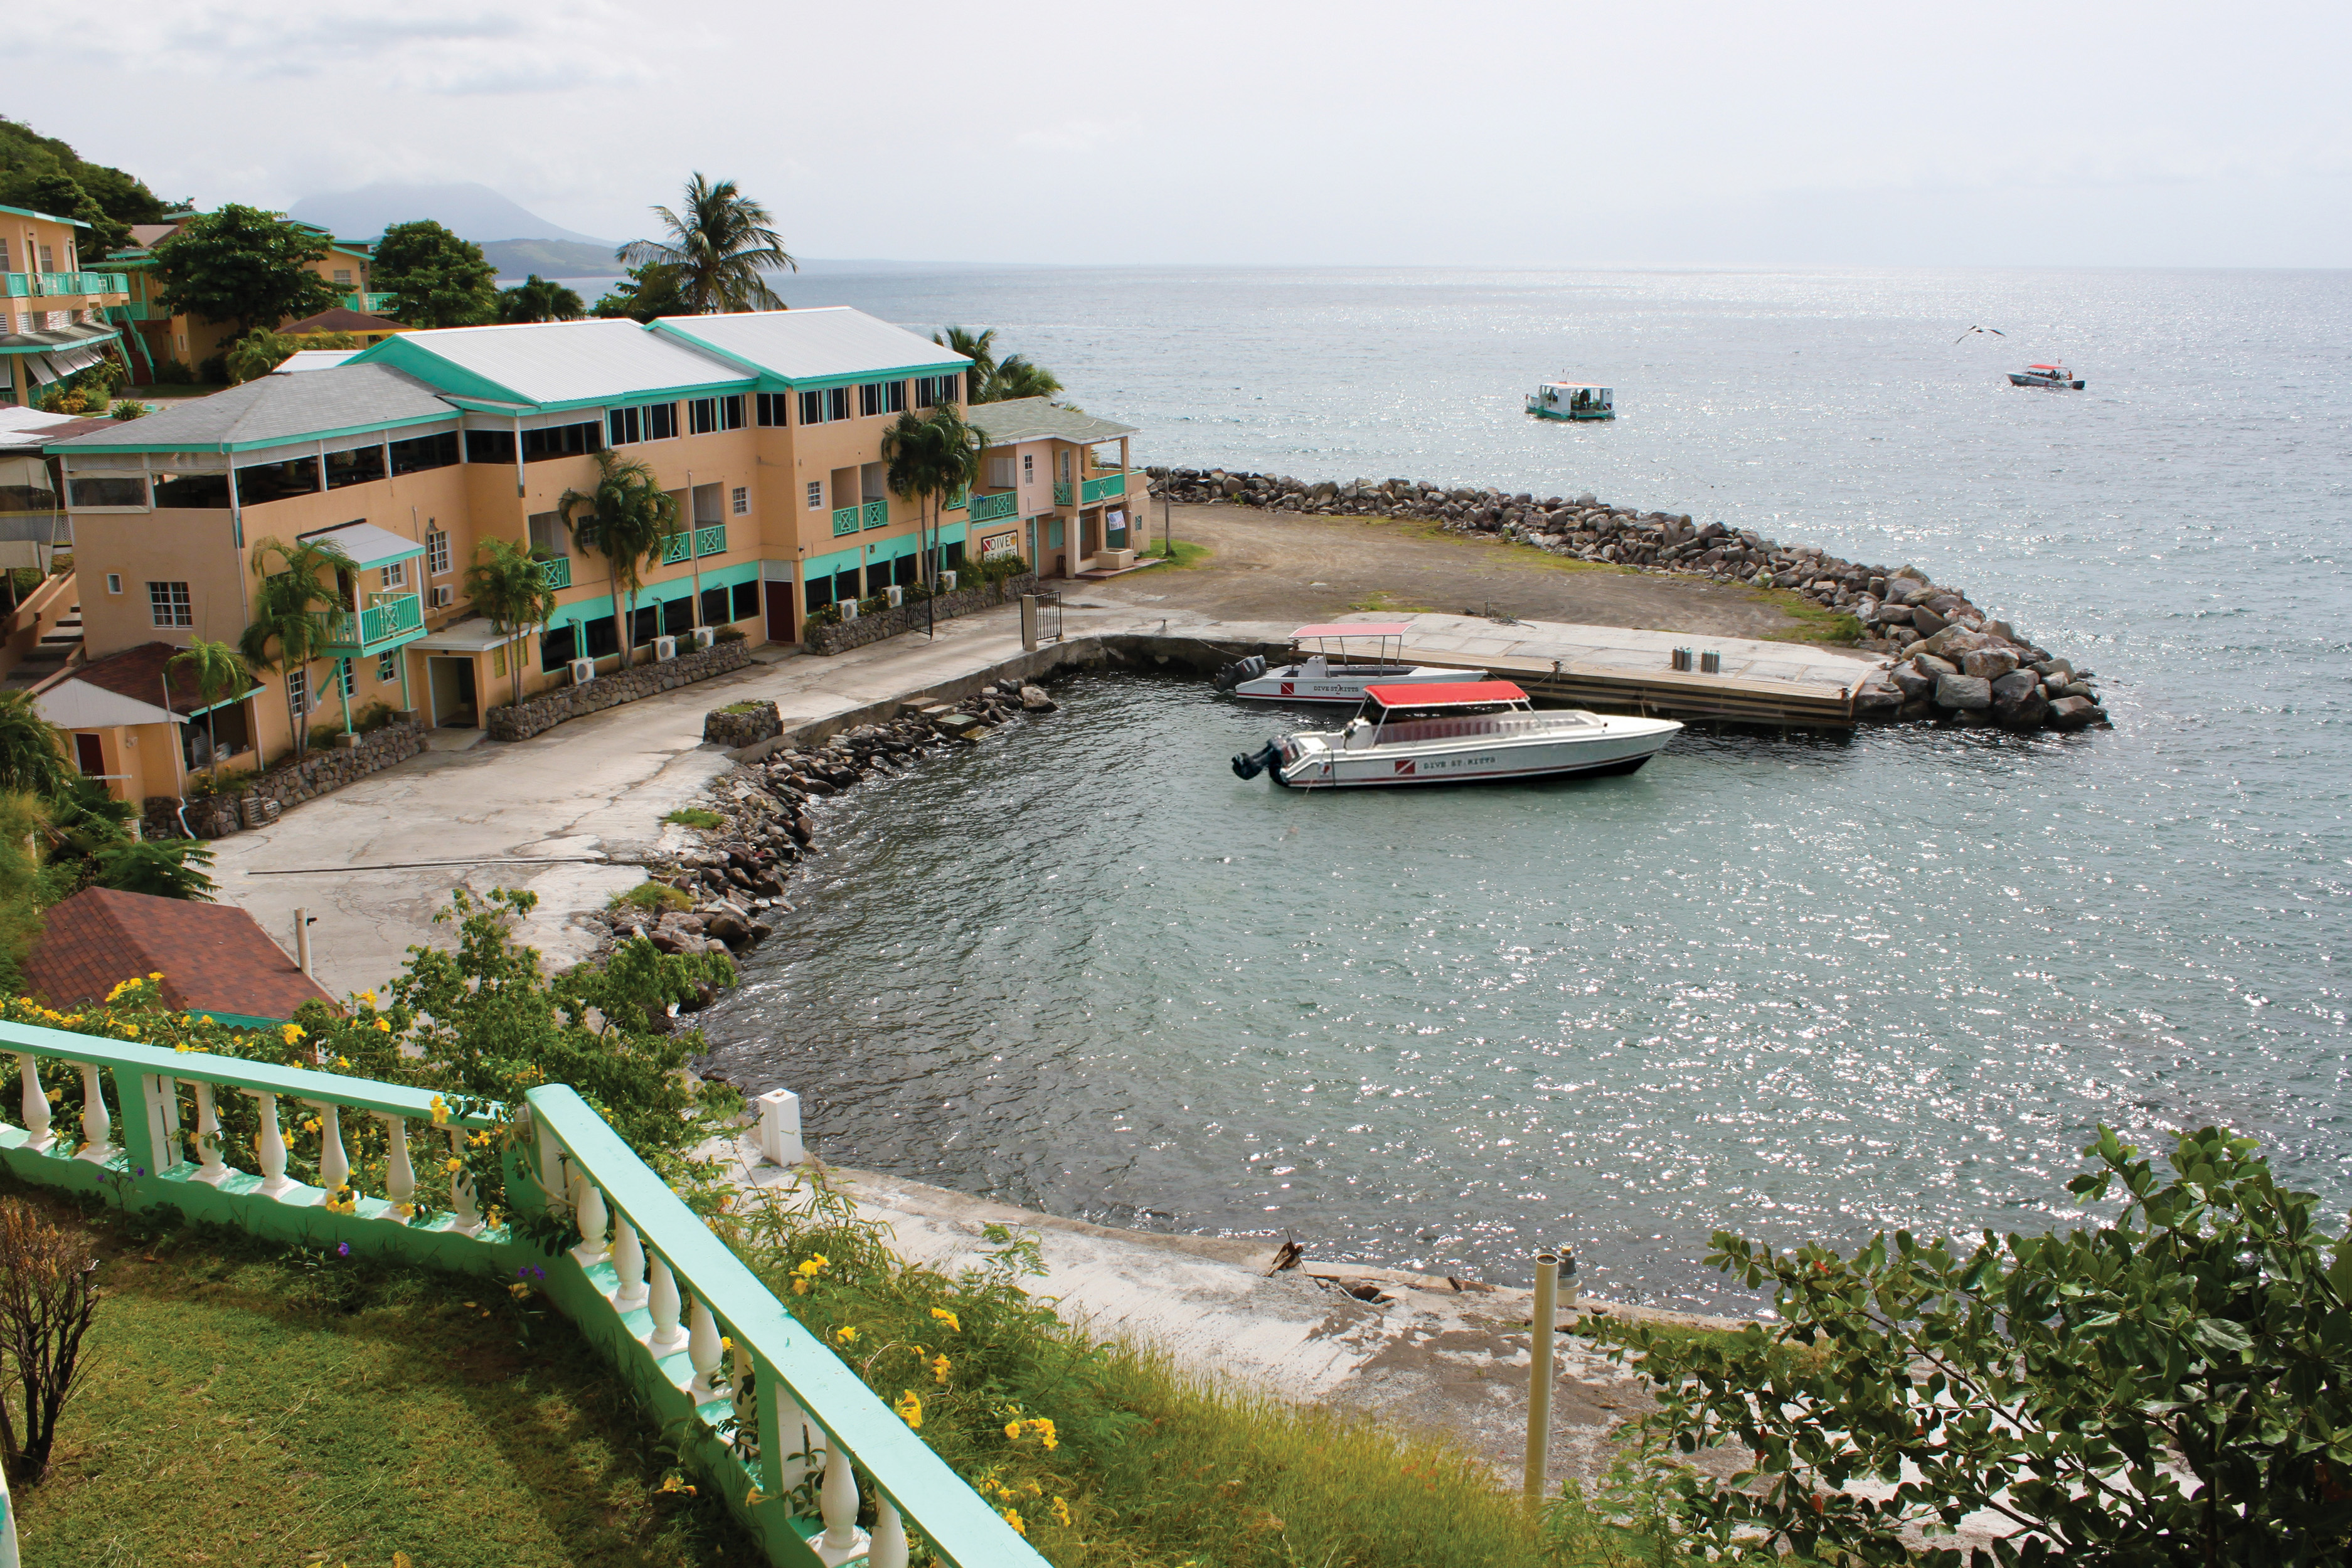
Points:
(1539, 1373)
(302, 940)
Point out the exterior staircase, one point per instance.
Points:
(58, 647)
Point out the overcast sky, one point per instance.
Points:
(1566, 133)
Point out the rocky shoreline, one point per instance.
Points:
(1948, 660)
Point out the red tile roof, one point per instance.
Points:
(340, 319)
(213, 957)
(139, 673)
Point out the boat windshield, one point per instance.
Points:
(1378, 643)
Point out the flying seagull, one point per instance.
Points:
(1994, 330)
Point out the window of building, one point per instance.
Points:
(257, 483)
(394, 576)
(730, 412)
(343, 277)
(747, 600)
(556, 647)
(420, 453)
(357, 467)
(931, 392)
(168, 603)
(773, 409)
(559, 440)
(437, 553)
(489, 446)
(48, 259)
(645, 625)
(109, 492)
(836, 403)
(661, 422)
(113, 578)
(387, 668)
(882, 397)
(4, 258)
(812, 408)
(816, 495)
(1000, 472)
(498, 661)
(702, 416)
(297, 690)
(1028, 468)
(816, 594)
(625, 427)
(714, 607)
(194, 492)
(1066, 464)
(678, 615)
(348, 676)
(739, 501)
(549, 536)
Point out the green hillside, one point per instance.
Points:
(550, 258)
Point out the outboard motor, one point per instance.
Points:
(1241, 670)
(1250, 764)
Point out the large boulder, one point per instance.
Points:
(1917, 686)
(1992, 664)
(2073, 713)
(1926, 620)
(1927, 664)
(1964, 693)
(1954, 640)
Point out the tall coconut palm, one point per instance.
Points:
(980, 347)
(508, 586)
(289, 629)
(1018, 376)
(720, 244)
(211, 673)
(628, 519)
(930, 456)
(537, 300)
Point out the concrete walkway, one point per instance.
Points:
(1449, 638)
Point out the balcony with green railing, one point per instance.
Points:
(556, 571)
(38, 285)
(988, 508)
(1103, 490)
(388, 621)
(877, 513)
(1062, 494)
(844, 520)
(370, 304)
(710, 539)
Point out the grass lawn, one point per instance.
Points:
(1179, 553)
(248, 1407)
(1815, 623)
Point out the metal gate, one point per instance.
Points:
(1041, 617)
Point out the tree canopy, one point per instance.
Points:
(244, 265)
(537, 300)
(44, 174)
(441, 280)
(991, 379)
(649, 292)
(721, 242)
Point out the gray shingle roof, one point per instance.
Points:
(275, 410)
(1038, 418)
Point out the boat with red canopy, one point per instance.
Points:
(1346, 656)
(1455, 732)
(2054, 377)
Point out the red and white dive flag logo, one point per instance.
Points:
(1404, 767)
(1286, 688)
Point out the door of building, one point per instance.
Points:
(452, 685)
(779, 612)
(90, 756)
(1089, 536)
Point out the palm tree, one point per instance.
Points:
(289, 612)
(508, 586)
(1016, 377)
(215, 672)
(930, 456)
(537, 300)
(628, 519)
(720, 244)
(980, 347)
(32, 749)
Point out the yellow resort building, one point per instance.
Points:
(155, 336)
(767, 428)
(53, 316)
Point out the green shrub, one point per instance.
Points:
(212, 370)
(728, 634)
(174, 373)
(660, 895)
(691, 816)
(824, 615)
(127, 408)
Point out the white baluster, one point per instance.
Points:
(667, 1338)
(399, 1176)
(588, 1206)
(836, 1499)
(629, 1265)
(274, 1179)
(889, 1547)
(96, 1125)
(209, 1166)
(702, 1351)
(461, 1187)
(36, 1103)
(553, 1164)
(335, 1165)
(166, 1121)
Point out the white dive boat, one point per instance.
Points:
(1571, 400)
(2054, 377)
(1459, 733)
(1334, 672)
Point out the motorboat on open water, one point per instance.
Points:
(2054, 377)
(1462, 732)
(1571, 400)
(1335, 672)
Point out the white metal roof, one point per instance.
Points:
(366, 544)
(563, 362)
(79, 704)
(313, 359)
(814, 345)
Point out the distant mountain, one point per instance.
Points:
(550, 259)
(470, 210)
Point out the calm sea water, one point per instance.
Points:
(1801, 989)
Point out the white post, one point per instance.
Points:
(461, 1185)
(552, 1162)
(335, 1165)
(667, 1338)
(302, 928)
(702, 1351)
(1547, 1312)
(210, 1168)
(779, 1129)
(274, 1179)
(628, 1265)
(590, 1210)
(399, 1176)
(888, 1548)
(36, 1103)
(837, 1501)
(96, 1125)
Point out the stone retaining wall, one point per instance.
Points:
(845, 635)
(520, 721)
(735, 730)
(325, 769)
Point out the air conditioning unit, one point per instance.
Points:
(896, 595)
(848, 609)
(702, 636)
(583, 671)
(664, 650)
(947, 582)
(443, 597)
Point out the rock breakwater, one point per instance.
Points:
(1948, 660)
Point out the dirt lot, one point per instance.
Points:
(1295, 567)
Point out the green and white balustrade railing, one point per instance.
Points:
(388, 617)
(1062, 494)
(709, 539)
(32, 285)
(1102, 489)
(776, 1416)
(844, 520)
(877, 513)
(556, 571)
(987, 508)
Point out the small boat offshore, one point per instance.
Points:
(1347, 657)
(2054, 377)
(1571, 400)
(1462, 732)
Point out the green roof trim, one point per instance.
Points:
(117, 448)
(45, 217)
(437, 373)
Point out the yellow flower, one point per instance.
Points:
(155, 974)
(368, 996)
(311, 1125)
(453, 1165)
(1061, 1513)
(519, 1290)
(939, 1370)
(948, 1318)
(846, 1333)
(183, 1048)
(440, 1107)
(342, 1062)
(292, 1032)
(726, 1342)
(814, 1265)
(800, 1287)
(384, 1026)
(909, 1408)
(1013, 1518)
(1013, 1431)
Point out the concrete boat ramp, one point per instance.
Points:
(1615, 668)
